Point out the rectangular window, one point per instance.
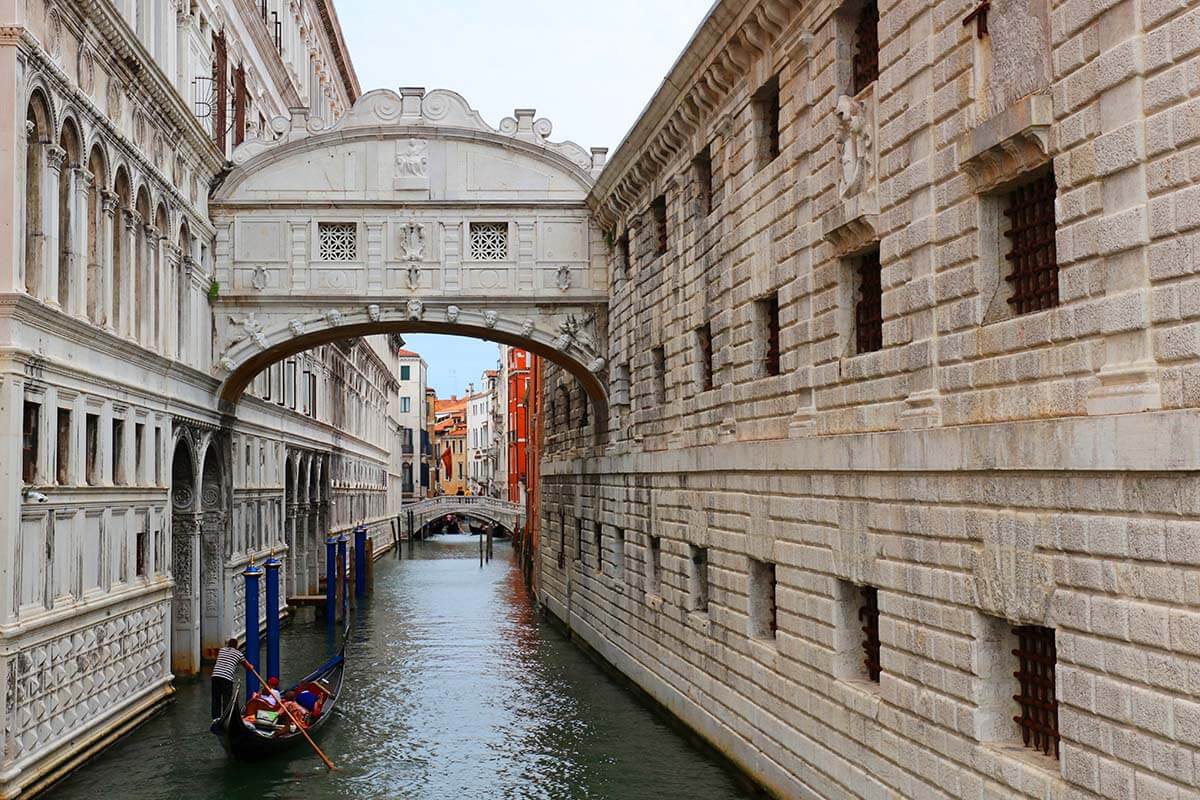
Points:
(140, 551)
(599, 531)
(139, 462)
(91, 441)
(63, 456)
(868, 310)
(702, 172)
(658, 212)
(405, 405)
(698, 578)
(866, 46)
(658, 356)
(868, 615)
(1032, 254)
(624, 257)
(767, 311)
(618, 552)
(118, 451)
(1037, 661)
(489, 241)
(766, 122)
(31, 416)
(159, 478)
(579, 540)
(289, 384)
(562, 540)
(704, 356)
(338, 241)
(654, 565)
(405, 372)
(762, 600)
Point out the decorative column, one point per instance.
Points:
(81, 186)
(169, 303)
(108, 204)
(186, 276)
(185, 604)
(146, 301)
(55, 159)
(252, 575)
(129, 254)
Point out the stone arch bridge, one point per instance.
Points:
(411, 214)
(509, 515)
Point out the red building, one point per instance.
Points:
(517, 367)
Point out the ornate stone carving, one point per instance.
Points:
(54, 32)
(296, 327)
(253, 328)
(113, 100)
(597, 365)
(527, 328)
(1014, 141)
(564, 278)
(412, 165)
(414, 277)
(416, 309)
(259, 279)
(374, 313)
(87, 69)
(490, 318)
(854, 145)
(452, 313)
(228, 364)
(333, 317)
(412, 241)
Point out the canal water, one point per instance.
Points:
(454, 691)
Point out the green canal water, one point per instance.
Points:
(454, 691)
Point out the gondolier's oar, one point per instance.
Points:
(296, 722)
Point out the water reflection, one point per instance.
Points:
(454, 691)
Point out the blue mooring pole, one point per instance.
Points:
(273, 564)
(252, 574)
(331, 580)
(343, 564)
(360, 561)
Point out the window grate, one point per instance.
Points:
(489, 241)
(338, 241)
(868, 615)
(866, 47)
(1037, 659)
(1032, 256)
(658, 210)
(868, 311)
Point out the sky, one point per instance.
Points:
(589, 66)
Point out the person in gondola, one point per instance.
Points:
(229, 658)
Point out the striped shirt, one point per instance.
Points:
(228, 660)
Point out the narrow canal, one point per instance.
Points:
(454, 691)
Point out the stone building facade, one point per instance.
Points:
(130, 500)
(897, 493)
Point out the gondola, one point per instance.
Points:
(248, 742)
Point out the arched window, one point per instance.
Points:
(97, 232)
(38, 133)
(157, 293)
(121, 254)
(181, 289)
(141, 266)
(68, 178)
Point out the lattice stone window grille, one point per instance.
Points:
(489, 241)
(1036, 662)
(338, 241)
(1032, 254)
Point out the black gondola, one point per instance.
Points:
(250, 742)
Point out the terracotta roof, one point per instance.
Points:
(407, 354)
(450, 405)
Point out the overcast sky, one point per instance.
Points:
(589, 66)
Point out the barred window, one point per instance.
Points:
(1037, 659)
(866, 46)
(868, 310)
(868, 615)
(489, 241)
(338, 241)
(1032, 255)
(766, 118)
(658, 210)
(30, 422)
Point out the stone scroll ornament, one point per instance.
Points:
(854, 146)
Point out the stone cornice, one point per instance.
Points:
(341, 53)
(280, 77)
(722, 50)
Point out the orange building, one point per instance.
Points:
(531, 536)
(450, 445)
(517, 391)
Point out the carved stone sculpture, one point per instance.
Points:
(259, 280)
(854, 146)
(564, 278)
(334, 317)
(253, 328)
(452, 313)
(412, 242)
(490, 318)
(412, 165)
(416, 309)
(527, 328)
(374, 313)
(296, 327)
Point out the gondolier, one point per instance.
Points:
(229, 658)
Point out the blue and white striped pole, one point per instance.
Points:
(252, 574)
